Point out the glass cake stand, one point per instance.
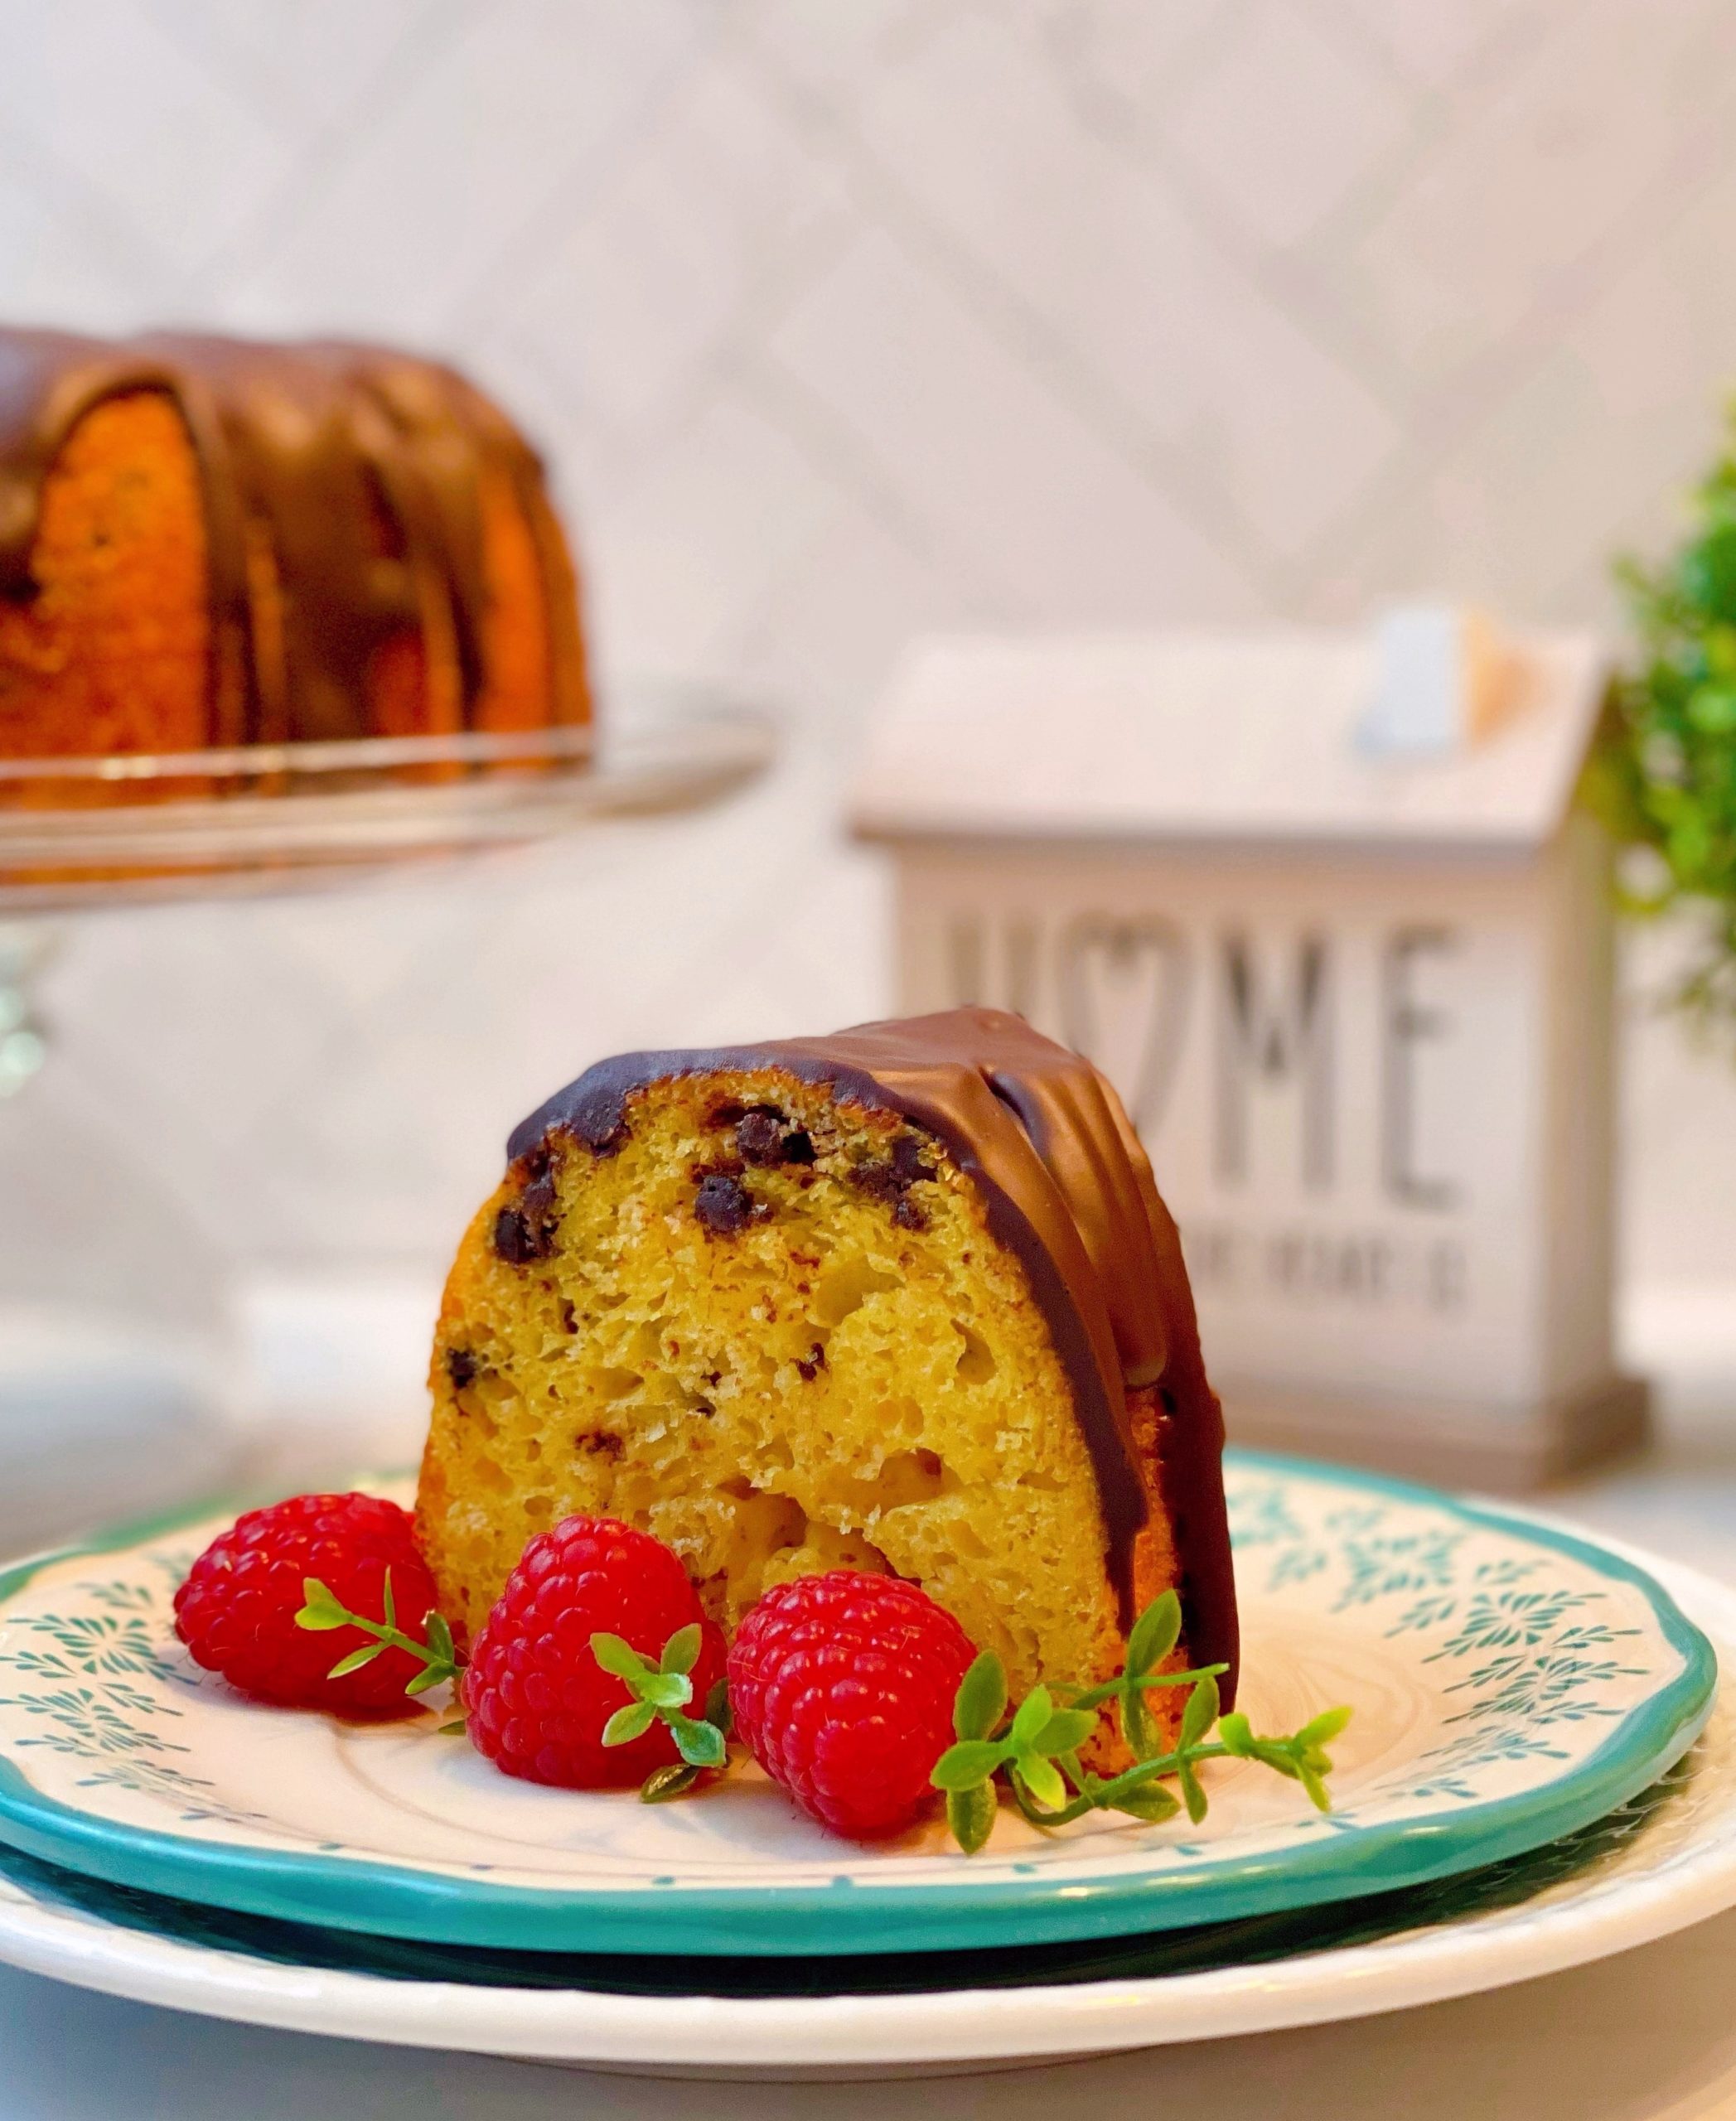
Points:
(119, 1358)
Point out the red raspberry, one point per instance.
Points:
(535, 1697)
(236, 1610)
(842, 1687)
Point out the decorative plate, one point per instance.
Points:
(1511, 1683)
(1663, 1860)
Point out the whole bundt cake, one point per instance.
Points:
(903, 1299)
(211, 541)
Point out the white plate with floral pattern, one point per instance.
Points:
(1659, 1863)
(1511, 1683)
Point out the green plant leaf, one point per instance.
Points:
(1034, 1710)
(1322, 1730)
(320, 1609)
(981, 1700)
(1066, 1731)
(663, 1689)
(1150, 1801)
(664, 1783)
(355, 1660)
(628, 1723)
(389, 1604)
(1237, 1734)
(1042, 1778)
(439, 1638)
(1317, 1789)
(1201, 1713)
(1192, 1795)
(427, 1679)
(716, 1704)
(970, 1815)
(681, 1652)
(970, 1761)
(700, 1745)
(1154, 1635)
(619, 1658)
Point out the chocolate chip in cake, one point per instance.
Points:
(759, 1135)
(460, 1367)
(723, 1204)
(725, 1114)
(816, 1363)
(514, 1240)
(599, 1443)
(798, 1146)
(909, 1163)
(569, 1316)
(908, 1213)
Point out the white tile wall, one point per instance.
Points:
(840, 318)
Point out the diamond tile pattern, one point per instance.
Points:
(838, 321)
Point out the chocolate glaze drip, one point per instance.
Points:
(343, 488)
(1070, 1191)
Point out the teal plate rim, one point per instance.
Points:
(395, 1901)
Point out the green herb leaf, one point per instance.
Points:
(426, 1680)
(1201, 1713)
(970, 1761)
(664, 1783)
(1324, 1727)
(681, 1652)
(619, 1658)
(700, 1745)
(320, 1609)
(1150, 1801)
(663, 1689)
(1237, 1734)
(440, 1637)
(1034, 1710)
(1192, 1795)
(390, 1603)
(628, 1723)
(970, 1815)
(355, 1660)
(1155, 1634)
(716, 1704)
(981, 1700)
(1042, 1778)
(1066, 1731)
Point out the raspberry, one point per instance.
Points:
(535, 1697)
(842, 1687)
(236, 1610)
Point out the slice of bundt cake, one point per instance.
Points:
(903, 1299)
(212, 541)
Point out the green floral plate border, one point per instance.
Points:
(1514, 1683)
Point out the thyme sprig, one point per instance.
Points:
(665, 1690)
(1036, 1752)
(322, 1610)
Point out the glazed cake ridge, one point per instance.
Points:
(1069, 1192)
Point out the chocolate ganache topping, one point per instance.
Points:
(344, 491)
(1070, 1190)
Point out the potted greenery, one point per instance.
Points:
(1664, 774)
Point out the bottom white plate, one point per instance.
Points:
(1668, 1860)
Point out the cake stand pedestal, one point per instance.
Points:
(120, 1356)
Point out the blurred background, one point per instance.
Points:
(839, 321)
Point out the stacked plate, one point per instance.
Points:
(1534, 1776)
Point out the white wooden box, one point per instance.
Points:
(1360, 1007)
